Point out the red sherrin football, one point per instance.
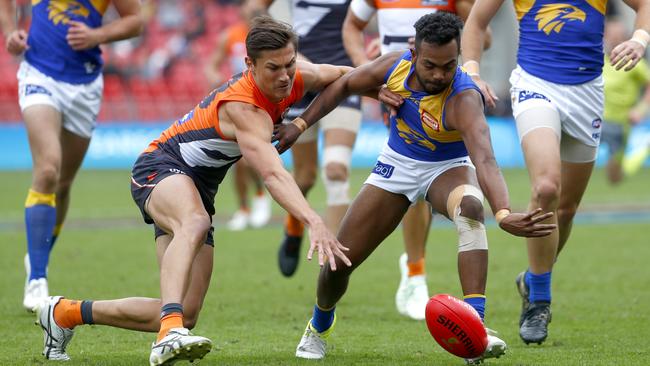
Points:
(456, 326)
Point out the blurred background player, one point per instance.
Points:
(174, 183)
(439, 127)
(623, 107)
(319, 23)
(557, 102)
(231, 51)
(395, 21)
(60, 92)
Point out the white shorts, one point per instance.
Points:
(399, 174)
(78, 103)
(344, 118)
(580, 107)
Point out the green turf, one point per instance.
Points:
(255, 316)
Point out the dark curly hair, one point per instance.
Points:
(268, 34)
(438, 28)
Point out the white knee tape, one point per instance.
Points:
(471, 234)
(337, 190)
(456, 196)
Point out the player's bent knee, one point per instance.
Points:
(465, 209)
(195, 227)
(47, 176)
(336, 166)
(472, 208)
(546, 192)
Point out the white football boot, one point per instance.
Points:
(313, 345)
(496, 348)
(239, 221)
(56, 338)
(260, 211)
(412, 294)
(179, 344)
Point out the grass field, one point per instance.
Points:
(601, 311)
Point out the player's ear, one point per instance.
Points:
(249, 62)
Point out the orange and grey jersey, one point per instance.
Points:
(395, 19)
(561, 42)
(196, 139)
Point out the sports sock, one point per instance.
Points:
(477, 301)
(171, 316)
(40, 218)
(70, 313)
(55, 234)
(322, 320)
(293, 226)
(539, 286)
(417, 268)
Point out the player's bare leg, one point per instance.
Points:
(336, 176)
(60, 316)
(73, 148)
(43, 124)
(541, 149)
(305, 167)
(362, 230)
(455, 194)
(575, 177)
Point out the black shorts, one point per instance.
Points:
(151, 168)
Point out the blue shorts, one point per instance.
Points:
(152, 167)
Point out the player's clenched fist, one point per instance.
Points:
(16, 42)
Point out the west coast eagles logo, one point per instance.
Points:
(552, 17)
(61, 11)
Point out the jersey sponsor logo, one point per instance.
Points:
(430, 121)
(385, 170)
(62, 11)
(36, 89)
(552, 17)
(595, 135)
(527, 94)
(434, 2)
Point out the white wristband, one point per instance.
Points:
(641, 37)
(472, 67)
(362, 10)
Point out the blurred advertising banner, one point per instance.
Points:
(116, 145)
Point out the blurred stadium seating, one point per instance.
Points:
(156, 77)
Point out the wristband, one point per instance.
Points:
(300, 123)
(501, 214)
(472, 67)
(641, 37)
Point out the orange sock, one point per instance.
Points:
(293, 226)
(167, 322)
(417, 268)
(67, 313)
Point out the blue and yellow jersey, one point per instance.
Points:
(419, 130)
(49, 51)
(561, 41)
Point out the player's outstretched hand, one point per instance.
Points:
(528, 224)
(81, 37)
(627, 54)
(489, 94)
(328, 247)
(16, 42)
(286, 135)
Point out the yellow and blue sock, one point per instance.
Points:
(477, 301)
(322, 320)
(40, 218)
(539, 286)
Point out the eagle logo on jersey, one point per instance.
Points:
(411, 136)
(552, 17)
(60, 11)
